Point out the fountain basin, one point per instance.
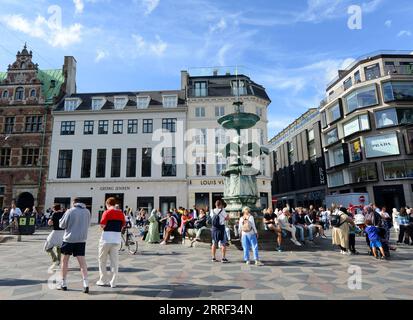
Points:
(239, 121)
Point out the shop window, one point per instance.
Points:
(398, 170)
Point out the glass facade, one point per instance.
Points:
(364, 97)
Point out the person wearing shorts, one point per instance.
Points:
(375, 243)
(75, 222)
(218, 232)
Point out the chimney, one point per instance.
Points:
(341, 73)
(69, 71)
(184, 79)
(215, 72)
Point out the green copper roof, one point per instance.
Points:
(46, 77)
(49, 90)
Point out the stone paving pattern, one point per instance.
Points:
(180, 272)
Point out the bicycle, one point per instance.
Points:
(129, 241)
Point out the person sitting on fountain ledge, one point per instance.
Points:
(286, 225)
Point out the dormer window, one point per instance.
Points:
(170, 101)
(201, 89)
(71, 104)
(5, 94)
(239, 88)
(143, 102)
(120, 103)
(97, 103)
(19, 94)
(33, 93)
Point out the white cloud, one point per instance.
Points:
(79, 6)
(222, 53)
(220, 26)
(388, 23)
(404, 33)
(144, 47)
(150, 5)
(56, 36)
(100, 55)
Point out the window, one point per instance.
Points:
(131, 163)
(347, 84)
(201, 137)
(382, 145)
(221, 137)
(103, 127)
(33, 93)
(168, 162)
(310, 135)
(357, 77)
(117, 126)
(64, 166)
(170, 101)
(147, 126)
(312, 151)
(33, 124)
(19, 95)
(258, 111)
(219, 111)
(398, 170)
(116, 163)
(169, 125)
(336, 156)
(71, 104)
(331, 137)
(146, 162)
(67, 128)
(200, 112)
(5, 94)
(239, 88)
(333, 113)
(201, 89)
(364, 173)
(398, 91)
(101, 163)
(97, 103)
(30, 157)
(323, 119)
(5, 156)
(143, 102)
(241, 109)
(372, 72)
(364, 97)
(335, 179)
(359, 123)
(120, 103)
(200, 166)
(221, 164)
(133, 126)
(394, 116)
(355, 151)
(9, 126)
(86, 163)
(88, 127)
(290, 153)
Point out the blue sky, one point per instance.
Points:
(293, 48)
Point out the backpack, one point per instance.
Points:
(335, 220)
(246, 226)
(216, 221)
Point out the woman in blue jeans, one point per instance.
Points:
(249, 236)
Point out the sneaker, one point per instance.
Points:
(112, 285)
(224, 260)
(183, 241)
(163, 243)
(101, 283)
(86, 290)
(279, 249)
(247, 262)
(214, 260)
(53, 266)
(61, 286)
(258, 263)
(296, 242)
(324, 236)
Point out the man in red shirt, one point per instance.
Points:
(112, 223)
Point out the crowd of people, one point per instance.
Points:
(70, 231)
(10, 215)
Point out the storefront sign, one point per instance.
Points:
(207, 182)
(382, 146)
(114, 188)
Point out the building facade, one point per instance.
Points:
(126, 145)
(211, 94)
(299, 177)
(367, 129)
(27, 97)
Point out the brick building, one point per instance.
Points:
(27, 97)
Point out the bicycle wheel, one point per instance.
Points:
(132, 243)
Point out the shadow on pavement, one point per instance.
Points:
(297, 263)
(19, 282)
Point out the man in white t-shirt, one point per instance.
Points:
(15, 213)
(218, 232)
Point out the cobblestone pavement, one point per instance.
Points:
(180, 272)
